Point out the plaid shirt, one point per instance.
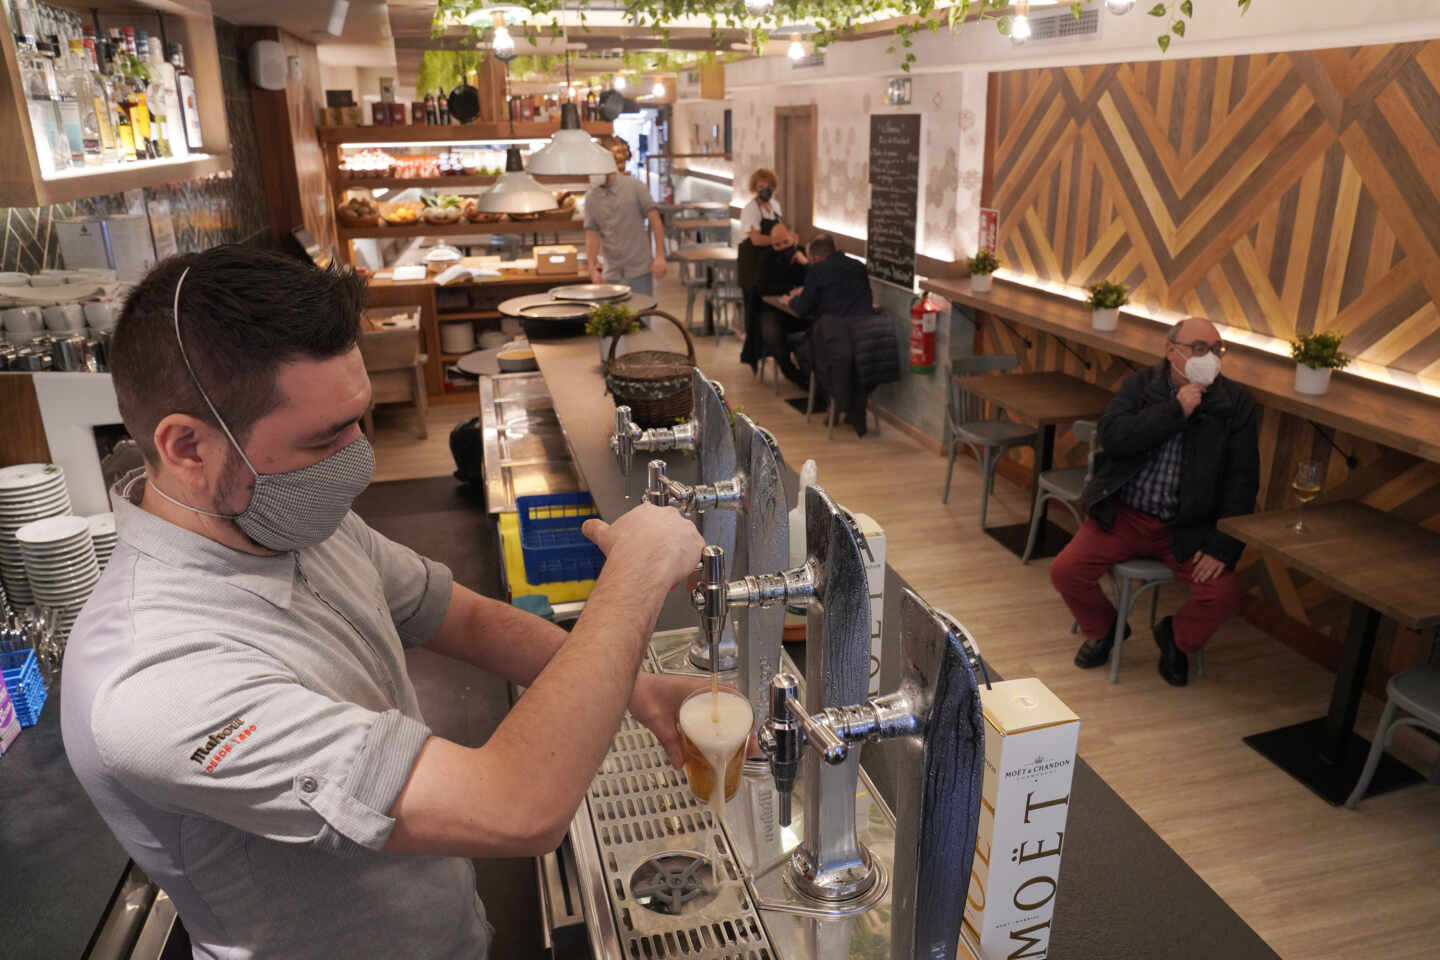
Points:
(1156, 488)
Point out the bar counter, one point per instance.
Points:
(1122, 891)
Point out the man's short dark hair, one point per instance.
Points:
(822, 245)
(243, 313)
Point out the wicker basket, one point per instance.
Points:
(655, 384)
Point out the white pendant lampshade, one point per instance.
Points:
(571, 152)
(516, 191)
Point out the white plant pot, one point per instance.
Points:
(1105, 318)
(621, 348)
(1311, 380)
(980, 282)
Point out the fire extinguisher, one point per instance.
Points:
(922, 335)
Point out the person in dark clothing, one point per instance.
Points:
(1180, 450)
(834, 283)
(778, 268)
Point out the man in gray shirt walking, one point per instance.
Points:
(236, 703)
(617, 212)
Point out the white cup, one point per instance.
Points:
(100, 314)
(65, 318)
(22, 322)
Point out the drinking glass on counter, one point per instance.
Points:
(1309, 475)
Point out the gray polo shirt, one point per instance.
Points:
(618, 213)
(245, 723)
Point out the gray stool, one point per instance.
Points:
(1417, 692)
(1130, 579)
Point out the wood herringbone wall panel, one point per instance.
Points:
(1275, 192)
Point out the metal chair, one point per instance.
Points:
(1130, 579)
(727, 303)
(832, 410)
(1065, 486)
(1417, 692)
(987, 438)
(695, 280)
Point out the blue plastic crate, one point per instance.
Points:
(550, 539)
(27, 689)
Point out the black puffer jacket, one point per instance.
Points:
(1220, 469)
(852, 355)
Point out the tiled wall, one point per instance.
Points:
(226, 208)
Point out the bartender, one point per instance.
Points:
(236, 700)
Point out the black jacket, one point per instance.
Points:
(852, 356)
(1220, 465)
(838, 284)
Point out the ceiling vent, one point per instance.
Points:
(1063, 25)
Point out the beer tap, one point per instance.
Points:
(628, 438)
(935, 718)
(692, 500)
(831, 865)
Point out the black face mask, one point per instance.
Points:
(765, 193)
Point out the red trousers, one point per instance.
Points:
(1076, 574)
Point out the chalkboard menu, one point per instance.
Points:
(894, 197)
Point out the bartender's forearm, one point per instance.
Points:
(495, 636)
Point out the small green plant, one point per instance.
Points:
(1320, 351)
(1108, 295)
(611, 320)
(984, 262)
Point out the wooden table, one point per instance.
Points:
(1389, 568)
(718, 259)
(1046, 399)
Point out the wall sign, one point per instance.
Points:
(990, 229)
(894, 198)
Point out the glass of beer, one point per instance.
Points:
(714, 730)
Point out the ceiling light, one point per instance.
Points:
(516, 191)
(1020, 28)
(659, 90)
(1119, 6)
(502, 44)
(619, 82)
(797, 49)
(489, 12)
(571, 152)
(338, 10)
(758, 8)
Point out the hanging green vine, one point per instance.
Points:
(832, 19)
(445, 69)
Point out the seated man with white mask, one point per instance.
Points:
(1179, 450)
(237, 704)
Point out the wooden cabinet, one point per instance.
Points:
(189, 22)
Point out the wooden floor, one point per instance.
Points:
(1313, 880)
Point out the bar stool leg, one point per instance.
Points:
(810, 399)
(1123, 602)
(1377, 749)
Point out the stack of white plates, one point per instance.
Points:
(60, 564)
(28, 492)
(102, 534)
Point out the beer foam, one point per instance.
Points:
(717, 725)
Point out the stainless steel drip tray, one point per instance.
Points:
(526, 453)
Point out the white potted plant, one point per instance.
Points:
(982, 266)
(1106, 299)
(1316, 354)
(611, 321)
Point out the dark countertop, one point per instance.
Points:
(1123, 892)
(59, 863)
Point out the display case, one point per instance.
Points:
(383, 162)
(25, 180)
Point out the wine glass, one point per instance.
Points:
(1309, 475)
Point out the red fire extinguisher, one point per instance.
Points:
(922, 335)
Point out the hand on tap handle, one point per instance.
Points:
(650, 542)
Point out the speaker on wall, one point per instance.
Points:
(267, 65)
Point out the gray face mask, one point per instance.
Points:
(293, 510)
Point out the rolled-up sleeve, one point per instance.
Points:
(225, 732)
(417, 588)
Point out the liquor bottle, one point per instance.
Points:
(100, 97)
(442, 107)
(75, 85)
(67, 105)
(189, 105)
(432, 113)
(37, 77)
(154, 93)
(119, 91)
(139, 109)
(169, 87)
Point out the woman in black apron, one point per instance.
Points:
(761, 270)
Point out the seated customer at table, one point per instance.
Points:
(1179, 451)
(779, 268)
(835, 285)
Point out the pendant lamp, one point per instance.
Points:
(516, 191)
(571, 152)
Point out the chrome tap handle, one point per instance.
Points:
(624, 441)
(656, 491)
(710, 598)
(782, 738)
